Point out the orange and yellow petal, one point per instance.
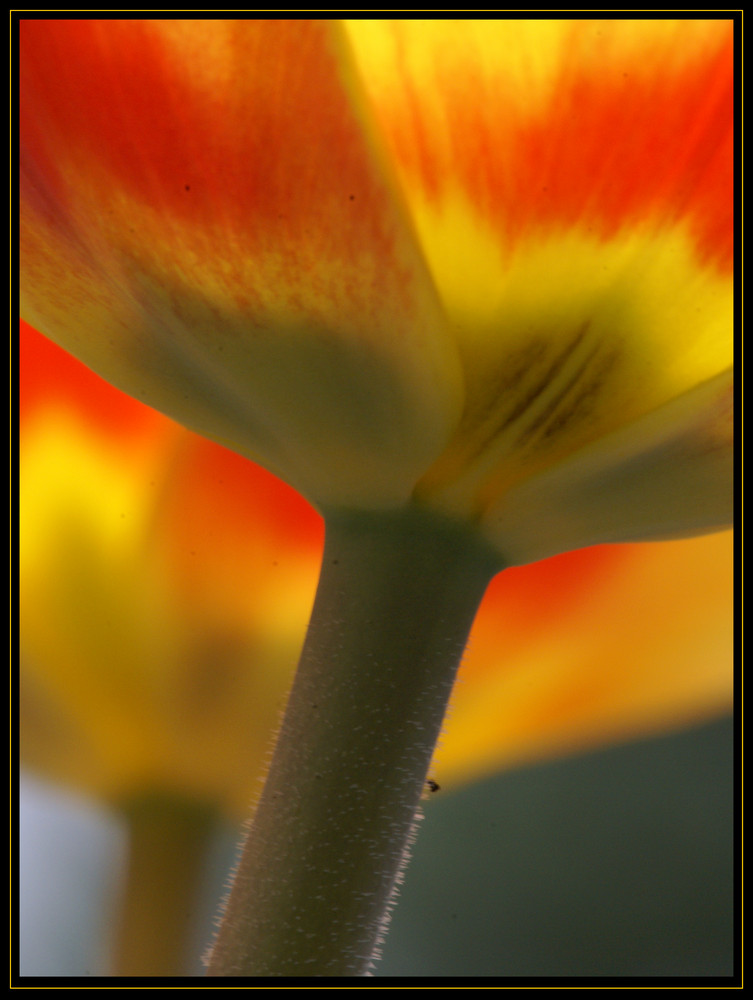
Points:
(571, 184)
(590, 647)
(411, 259)
(209, 222)
(546, 125)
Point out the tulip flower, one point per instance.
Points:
(464, 285)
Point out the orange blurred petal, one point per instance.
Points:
(603, 644)
(49, 377)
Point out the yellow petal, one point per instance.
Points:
(164, 587)
(668, 475)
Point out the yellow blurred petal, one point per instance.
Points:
(154, 658)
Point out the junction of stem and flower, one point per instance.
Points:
(396, 600)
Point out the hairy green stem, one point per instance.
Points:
(397, 596)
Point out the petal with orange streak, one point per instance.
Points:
(207, 221)
(571, 182)
(604, 644)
